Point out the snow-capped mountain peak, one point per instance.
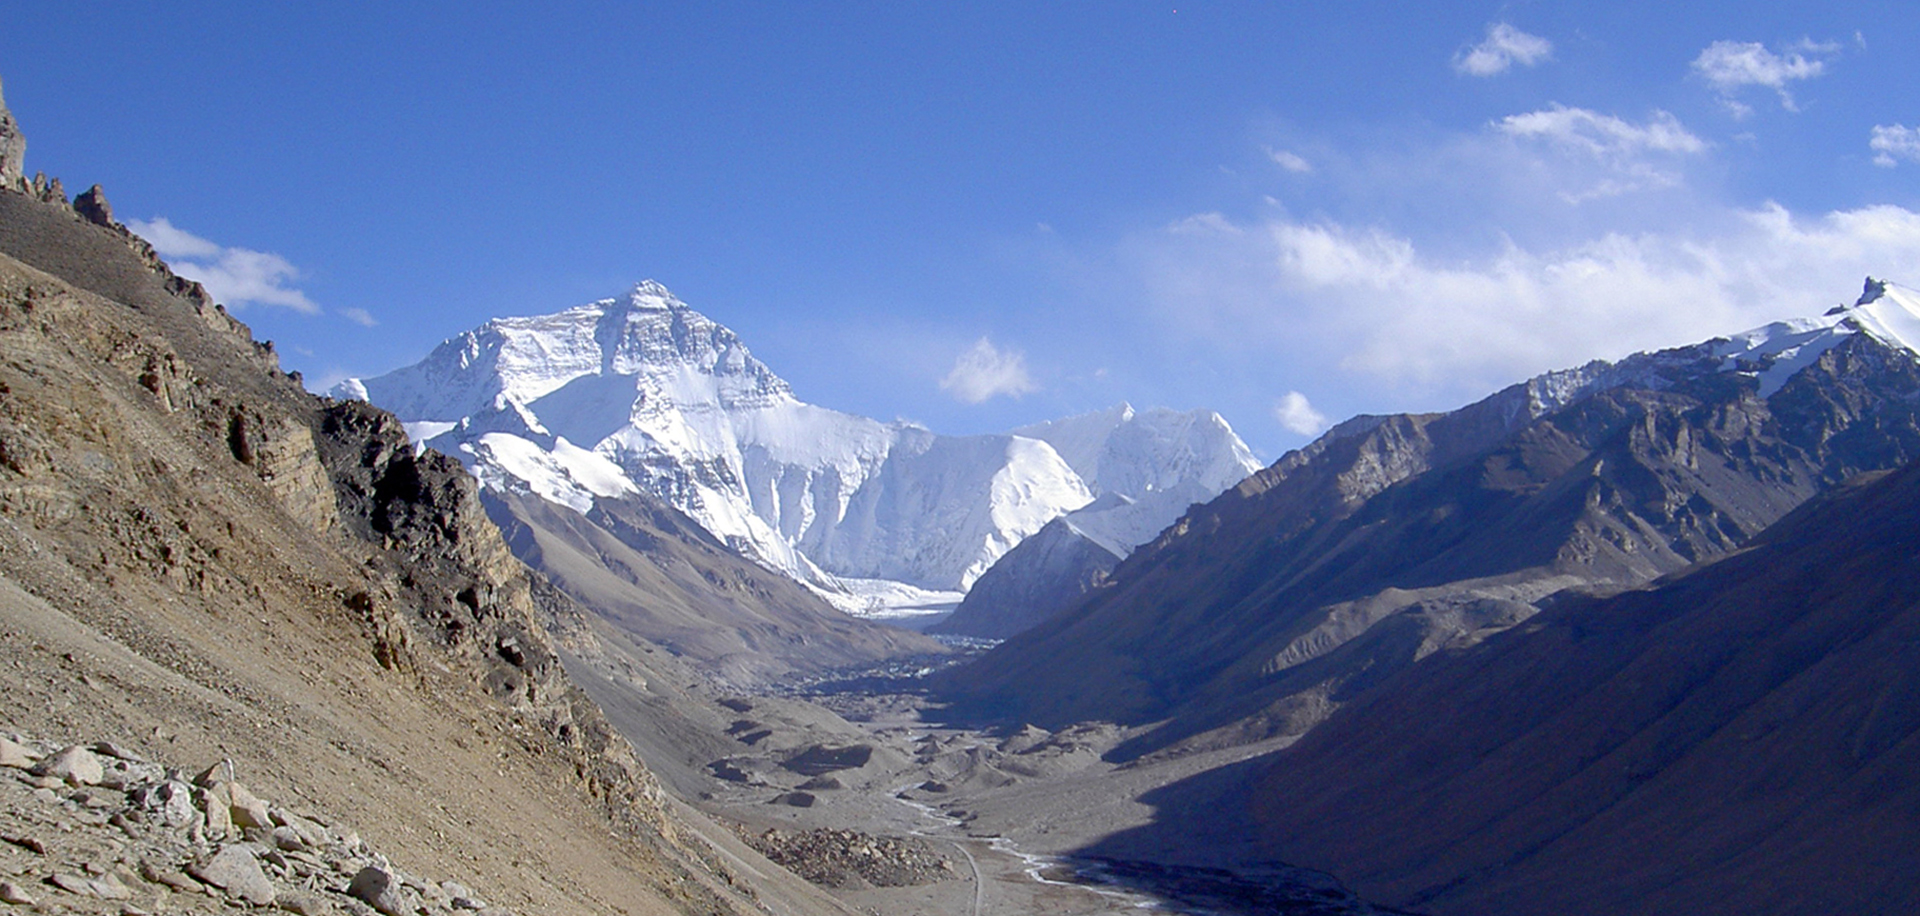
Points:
(1774, 352)
(641, 393)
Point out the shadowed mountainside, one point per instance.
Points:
(1261, 612)
(1738, 738)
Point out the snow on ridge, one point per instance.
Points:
(642, 393)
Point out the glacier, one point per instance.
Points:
(642, 393)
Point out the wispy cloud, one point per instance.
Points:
(983, 372)
(1291, 161)
(1503, 47)
(1605, 136)
(1298, 416)
(1730, 66)
(1636, 156)
(1894, 142)
(359, 316)
(1377, 309)
(234, 276)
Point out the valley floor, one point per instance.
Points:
(1029, 823)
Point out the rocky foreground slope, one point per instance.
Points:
(1261, 612)
(203, 562)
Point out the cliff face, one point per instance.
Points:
(198, 556)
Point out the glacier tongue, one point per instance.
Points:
(642, 393)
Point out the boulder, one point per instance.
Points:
(236, 870)
(75, 764)
(15, 755)
(383, 890)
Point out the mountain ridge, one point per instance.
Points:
(1260, 612)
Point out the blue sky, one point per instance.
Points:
(985, 214)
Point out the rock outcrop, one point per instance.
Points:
(13, 149)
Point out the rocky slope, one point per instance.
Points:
(656, 576)
(1390, 537)
(200, 558)
(1739, 738)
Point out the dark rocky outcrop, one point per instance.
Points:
(13, 149)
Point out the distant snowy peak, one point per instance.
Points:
(1134, 453)
(1771, 353)
(1146, 466)
(643, 394)
(660, 351)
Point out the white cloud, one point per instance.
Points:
(361, 317)
(1291, 161)
(1605, 136)
(1894, 142)
(1374, 308)
(172, 241)
(1635, 156)
(1296, 413)
(1730, 66)
(983, 372)
(1504, 46)
(233, 276)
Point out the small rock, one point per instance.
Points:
(171, 800)
(98, 798)
(289, 839)
(113, 750)
(15, 755)
(304, 904)
(243, 808)
(235, 870)
(215, 775)
(15, 894)
(382, 889)
(169, 877)
(109, 887)
(218, 813)
(71, 883)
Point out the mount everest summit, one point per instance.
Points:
(643, 395)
